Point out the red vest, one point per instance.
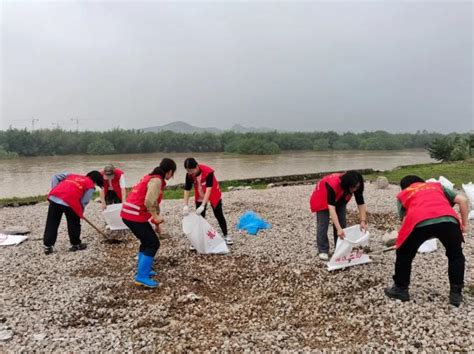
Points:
(71, 190)
(115, 183)
(422, 201)
(134, 208)
(319, 197)
(216, 194)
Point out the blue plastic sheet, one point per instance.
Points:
(251, 222)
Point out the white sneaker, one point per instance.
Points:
(323, 256)
(228, 239)
(192, 248)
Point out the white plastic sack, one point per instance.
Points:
(444, 182)
(203, 236)
(428, 246)
(112, 217)
(9, 240)
(343, 255)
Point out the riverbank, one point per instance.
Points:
(457, 172)
(271, 293)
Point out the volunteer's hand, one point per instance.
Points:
(340, 234)
(363, 225)
(200, 210)
(103, 205)
(185, 210)
(158, 220)
(465, 228)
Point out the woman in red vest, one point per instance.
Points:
(141, 208)
(114, 191)
(206, 189)
(329, 200)
(426, 212)
(69, 195)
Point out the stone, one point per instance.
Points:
(381, 182)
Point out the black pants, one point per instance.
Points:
(55, 213)
(149, 242)
(450, 236)
(112, 198)
(218, 213)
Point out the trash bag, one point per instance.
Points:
(203, 236)
(428, 246)
(112, 217)
(9, 240)
(444, 182)
(252, 223)
(469, 190)
(344, 256)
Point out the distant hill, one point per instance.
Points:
(183, 127)
(180, 127)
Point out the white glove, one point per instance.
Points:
(200, 209)
(185, 210)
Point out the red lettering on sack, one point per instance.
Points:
(211, 234)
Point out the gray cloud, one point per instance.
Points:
(397, 66)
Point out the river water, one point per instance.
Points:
(29, 176)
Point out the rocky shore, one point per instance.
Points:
(270, 293)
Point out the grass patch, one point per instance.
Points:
(458, 172)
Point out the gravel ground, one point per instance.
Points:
(270, 293)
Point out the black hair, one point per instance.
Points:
(165, 166)
(97, 178)
(190, 162)
(407, 181)
(350, 179)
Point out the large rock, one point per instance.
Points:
(381, 182)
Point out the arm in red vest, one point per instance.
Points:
(152, 194)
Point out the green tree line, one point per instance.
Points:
(21, 142)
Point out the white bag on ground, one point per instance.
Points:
(203, 236)
(428, 246)
(469, 190)
(112, 217)
(343, 255)
(444, 182)
(9, 240)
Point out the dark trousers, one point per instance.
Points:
(55, 213)
(149, 242)
(112, 198)
(218, 213)
(450, 236)
(322, 226)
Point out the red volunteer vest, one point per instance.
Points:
(319, 197)
(115, 183)
(216, 194)
(71, 190)
(422, 201)
(134, 208)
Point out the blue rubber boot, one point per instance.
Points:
(152, 272)
(143, 272)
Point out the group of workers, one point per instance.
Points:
(425, 208)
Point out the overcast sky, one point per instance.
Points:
(344, 66)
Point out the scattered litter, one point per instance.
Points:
(252, 223)
(345, 255)
(469, 190)
(203, 236)
(9, 240)
(191, 297)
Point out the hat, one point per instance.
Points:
(109, 170)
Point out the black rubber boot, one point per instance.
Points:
(397, 292)
(455, 295)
